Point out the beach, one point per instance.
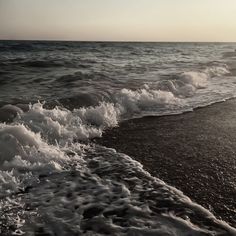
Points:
(194, 152)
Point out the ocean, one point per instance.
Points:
(57, 97)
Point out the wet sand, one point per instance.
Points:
(195, 152)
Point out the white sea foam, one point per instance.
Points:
(86, 189)
(112, 194)
(217, 70)
(105, 115)
(24, 156)
(145, 99)
(80, 188)
(37, 137)
(196, 79)
(62, 125)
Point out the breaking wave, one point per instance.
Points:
(69, 187)
(54, 179)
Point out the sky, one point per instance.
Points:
(119, 20)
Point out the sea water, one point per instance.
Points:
(55, 97)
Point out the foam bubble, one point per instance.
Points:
(217, 70)
(24, 156)
(145, 99)
(59, 124)
(196, 79)
(105, 115)
(112, 194)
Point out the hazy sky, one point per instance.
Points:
(126, 20)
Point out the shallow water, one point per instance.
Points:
(56, 96)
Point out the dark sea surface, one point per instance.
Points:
(55, 97)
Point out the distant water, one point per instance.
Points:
(56, 96)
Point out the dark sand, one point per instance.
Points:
(195, 152)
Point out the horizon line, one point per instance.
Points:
(113, 41)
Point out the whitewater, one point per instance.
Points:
(57, 97)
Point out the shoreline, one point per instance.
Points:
(194, 152)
